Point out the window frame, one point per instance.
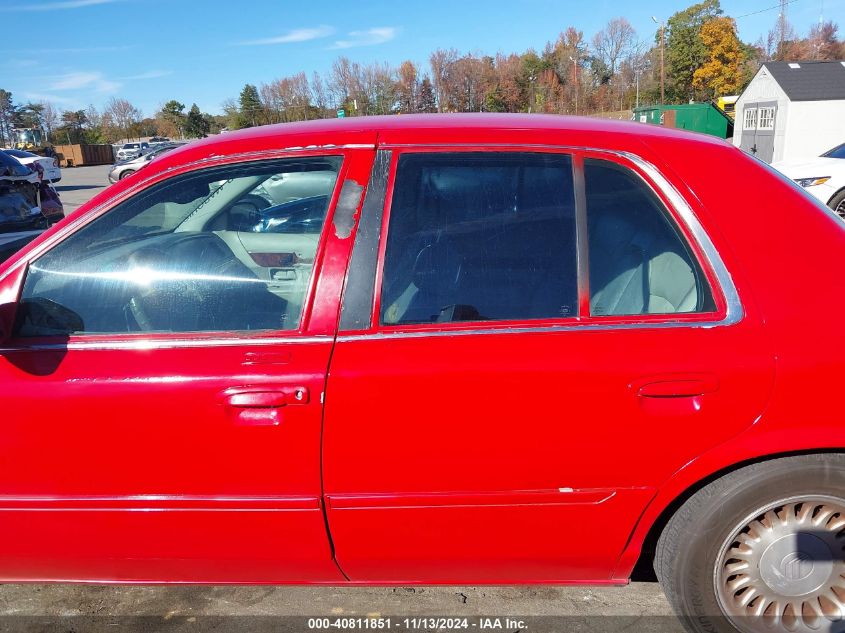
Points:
(153, 340)
(770, 120)
(748, 122)
(583, 319)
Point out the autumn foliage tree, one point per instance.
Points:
(721, 73)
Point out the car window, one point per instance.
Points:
(182, 256)
(12, 166)
(480, 236)
(836, 152)
(638, 261)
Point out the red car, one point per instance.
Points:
(484, 349)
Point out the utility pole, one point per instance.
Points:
(575, 65)
(782, 26)
(662, 56)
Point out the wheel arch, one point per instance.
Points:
(835, 193)
(636, 559)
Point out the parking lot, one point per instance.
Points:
(589, 606)
(79, 184)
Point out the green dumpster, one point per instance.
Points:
(697, 117)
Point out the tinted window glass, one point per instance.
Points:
(639, 263)
(11, 166)
(836, 152)
(480, 236)
(185, 256)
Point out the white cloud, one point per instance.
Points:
(91, 80)
(56, 6)
(297, 35)
(22, 63)
(39, 96)
(150, 74)
(370, 37)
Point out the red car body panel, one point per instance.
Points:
(490, 453)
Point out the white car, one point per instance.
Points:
(823, 177)
(50, 165)
(132, 150)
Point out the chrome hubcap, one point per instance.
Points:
(840, 210)
(784, 568)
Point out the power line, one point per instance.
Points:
(777, 6)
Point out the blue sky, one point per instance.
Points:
(80, 52)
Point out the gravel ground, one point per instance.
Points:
(639, 606)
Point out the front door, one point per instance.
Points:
(162, 394)
(547, 346)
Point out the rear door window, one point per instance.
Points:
(481, 236)
(639, 263)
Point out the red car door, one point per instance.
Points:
(163, 386)
(553, 336)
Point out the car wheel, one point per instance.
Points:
(837, 203)
(760, 549)
(126, 173)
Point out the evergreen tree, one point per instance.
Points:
(250, 109)
(426, 102)
(196, 125)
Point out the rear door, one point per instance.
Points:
(163, 391)
(543, 343)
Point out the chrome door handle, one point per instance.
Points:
(260, 405)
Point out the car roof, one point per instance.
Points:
(431, 129)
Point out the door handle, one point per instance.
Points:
(261, 405)
(679, 387)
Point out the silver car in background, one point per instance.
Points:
(124, 168)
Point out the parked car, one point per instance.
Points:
(823, 177)
(520, 349)
(19, 197)
(132, 150)
(124, 168)
(50, 164)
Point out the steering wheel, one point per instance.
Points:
(158, 304)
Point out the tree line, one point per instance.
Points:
(696, 52)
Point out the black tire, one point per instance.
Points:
(837, 203)
(693, 541)
(126, 174)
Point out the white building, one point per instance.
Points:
(792, 110)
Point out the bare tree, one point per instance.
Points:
(318, 93)
(49, 118)
(442, 65)
(614, 43)
(123, 114)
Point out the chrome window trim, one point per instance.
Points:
(139, 344)
(734, 311)
(94, 213)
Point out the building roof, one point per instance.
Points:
(809, 81)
